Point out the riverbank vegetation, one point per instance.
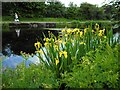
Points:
(85, 11)
(78, 59)
(57, 12)
(84, 55)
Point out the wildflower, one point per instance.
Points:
(82, 43)
(56, 61)
(72, 40)
(48, 31)
(64, 42)
(76, 29)
(93, 31)
(60, 41)
(69, 31)
(46, 39)
(63, 53)
(37, 45)
(56, 47)
(97, 26)
(39, 51)
(81, 33)
(66, 35)
(105, 37)
(51, 39)
(46, 44)
(63, 30)
(101, 32)
(85, 30)
(60, 53)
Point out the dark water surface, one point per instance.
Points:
(21, 39)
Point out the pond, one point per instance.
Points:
(22, 39)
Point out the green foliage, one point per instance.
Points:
(75, 24)
(88, 11)
(98, 69)
(116, 14)
(5, 27)
(79, 58)
(55, 9)
(85, 11)
(72, 11)
(60, 53)
(33, 77)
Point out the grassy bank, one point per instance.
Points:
(11, 19)
(60, 22)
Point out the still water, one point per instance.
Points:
(21, 39)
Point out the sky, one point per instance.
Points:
(78, 2)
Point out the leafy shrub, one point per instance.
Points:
(61, 53)
(32, 77)
(98, 69)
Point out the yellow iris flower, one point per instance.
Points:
(97, 26)
(63, 53)
(37, 45)
(46, 39)
(56, 61)
(56, 47)
(39, 51)
(69, 31)
(85, 30)
(63, 30)
(101, 32)
(81, 33)
(82, 43)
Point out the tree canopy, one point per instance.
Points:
(85, 11)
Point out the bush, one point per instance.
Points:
(98, 69)
(32, 77)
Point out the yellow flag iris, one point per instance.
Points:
(37, 45)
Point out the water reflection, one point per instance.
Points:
(7, 50)
(116, 36)
(20, 39)
(14, 60)
(17, 32)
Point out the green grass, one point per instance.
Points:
(11, 19)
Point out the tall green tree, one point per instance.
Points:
(116, 13)
(88, 11)
(72, 11)
(55, 9)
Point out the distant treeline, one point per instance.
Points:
(85, 11)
